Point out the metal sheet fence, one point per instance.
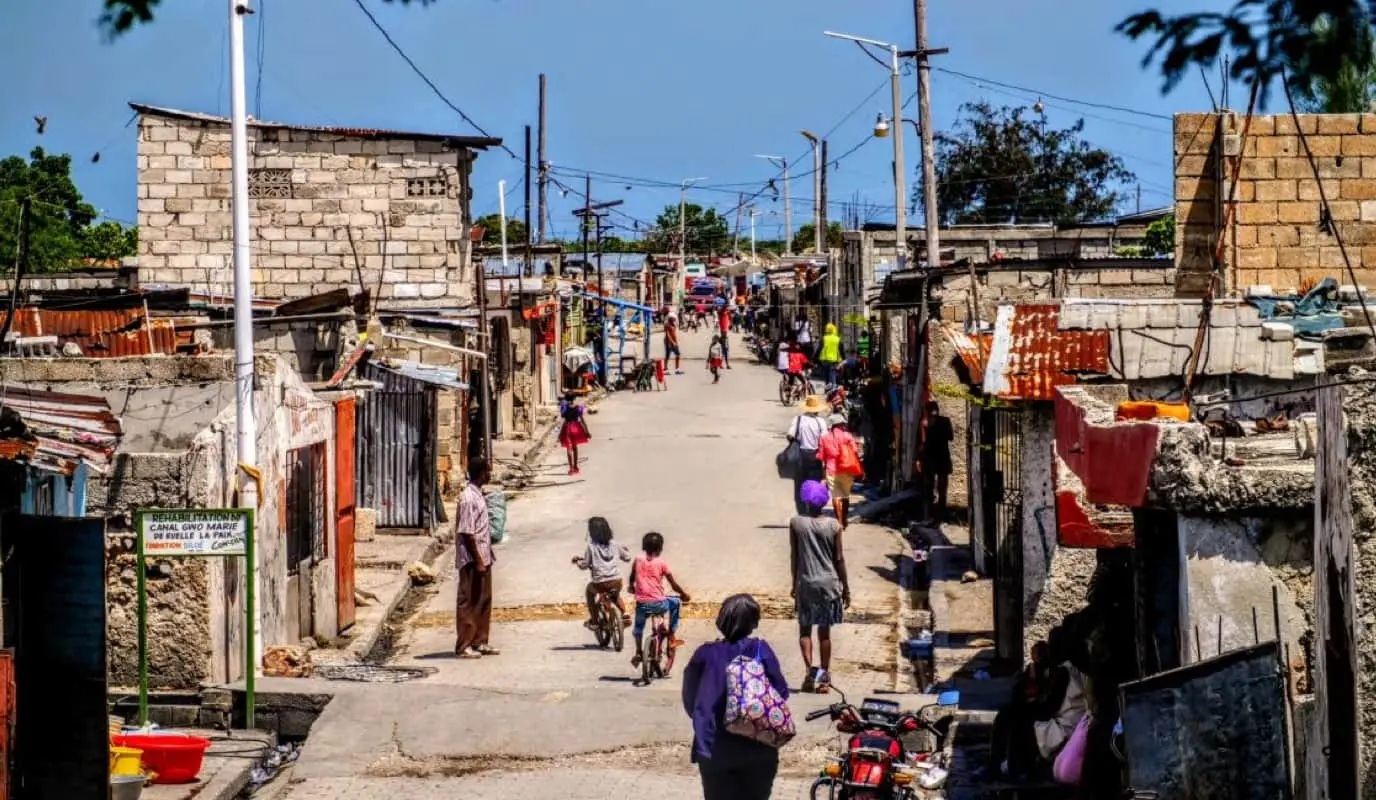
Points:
(396, 450)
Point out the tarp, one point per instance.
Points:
(1310, 315)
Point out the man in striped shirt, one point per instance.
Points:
(473, 556)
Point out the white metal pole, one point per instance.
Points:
(682, 243)
(752, 235)
(246, 424)
(501, 212)
(900, 202)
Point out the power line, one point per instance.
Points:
(1087, 103)
(262, 51)
(426, 78)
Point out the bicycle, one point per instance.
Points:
(657, 649)
(792, 389)
(608, 627)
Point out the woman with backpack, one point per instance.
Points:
(573, 431)
(736, 694)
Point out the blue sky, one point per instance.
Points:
(641, 88)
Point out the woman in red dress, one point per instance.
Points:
(573, 431)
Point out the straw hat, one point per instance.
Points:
(814, 404)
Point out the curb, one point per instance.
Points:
(362, 645)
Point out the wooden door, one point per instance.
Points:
(344, 500)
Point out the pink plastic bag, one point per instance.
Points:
(1070, 761)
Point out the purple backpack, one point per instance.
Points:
(754, 708)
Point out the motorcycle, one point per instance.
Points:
(875, 763)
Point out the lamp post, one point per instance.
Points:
(816, 189)
(881, 129)
(782, 164)
(683, 236)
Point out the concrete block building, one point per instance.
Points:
(383, 211)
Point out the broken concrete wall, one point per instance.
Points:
(1064, 591)
(1359, 411)
(1254, 397)
(1229, 566)
(313, 349)
(1039, 514)
(1188, 478)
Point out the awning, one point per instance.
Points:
(443, 377)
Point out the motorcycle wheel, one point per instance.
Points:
(817, 785)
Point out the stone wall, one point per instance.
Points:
(1275, 236)
(327, 210)
(1038, 508)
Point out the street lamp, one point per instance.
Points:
(782, 164)
(816, 189)
(683, 234)
(881, 130)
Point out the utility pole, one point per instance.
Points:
(587, 215)
(529, 270)
(245, 421)
(822, 204)
(782, 164)
(752, 234)
(816, 188)
(1139, 198)
(924, 118)
(544, 166)
(736, 240)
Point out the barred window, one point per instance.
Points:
(266, 183)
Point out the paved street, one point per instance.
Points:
(553, 715)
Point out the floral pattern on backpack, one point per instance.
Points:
(754, 708)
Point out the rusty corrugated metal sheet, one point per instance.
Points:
(105, 333)
(56, 431)
(972, 349)
(1029, 356)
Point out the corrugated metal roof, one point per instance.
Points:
(445, 377)
(972, 349)
(1029, 356)
(55, 431)
(102, 333)
(479, 142)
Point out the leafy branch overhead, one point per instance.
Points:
(1264, 39)
(120, 16)
(1000, 165)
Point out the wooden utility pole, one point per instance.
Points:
(736, 240)
(21, 266)
(822, 202)
(529, 270)
(544, 166)
(924, 118)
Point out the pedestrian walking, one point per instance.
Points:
(573, 431)
(840, 458)
(474, 559)
(671, 348)
(821, 589)
(935, 461)
(724, 323)
(830, 356)
(714, 358)
(802, 333)
(807, 430)
(732, 767)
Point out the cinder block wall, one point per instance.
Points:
(1275, 236)
(327, 211)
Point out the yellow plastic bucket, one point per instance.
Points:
(126, 761)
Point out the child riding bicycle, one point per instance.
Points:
(600, 559)
(792, 363)
(648, 574)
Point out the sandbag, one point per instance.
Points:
(496, 514)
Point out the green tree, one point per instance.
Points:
(1351, 90)
(58, 218)
(999, 165)
(706, 230)
(492, 229)
(1307, 40)
(1160, 238)
(806, 237)
(121, 15)
(109, 241)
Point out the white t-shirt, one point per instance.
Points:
(808, 430)
(804, 329)
(782, 361)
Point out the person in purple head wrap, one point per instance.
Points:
(821, 591)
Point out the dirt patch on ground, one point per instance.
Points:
(771, 608)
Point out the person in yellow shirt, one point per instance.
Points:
(830, 356)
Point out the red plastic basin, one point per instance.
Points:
(174, 759)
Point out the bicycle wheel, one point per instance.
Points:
(785, 391)
(650, 652)
(666, 661)
(602, 630)
(618, 630)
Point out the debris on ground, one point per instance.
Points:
(420, 574)
(287, 661)
(969, 576)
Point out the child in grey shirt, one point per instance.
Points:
(601, 559)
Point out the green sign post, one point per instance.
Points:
(195, 533)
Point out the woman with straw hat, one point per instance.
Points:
(807, 430)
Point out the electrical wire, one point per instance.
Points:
(1087, 103)
(262, 48)
(420, 73)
